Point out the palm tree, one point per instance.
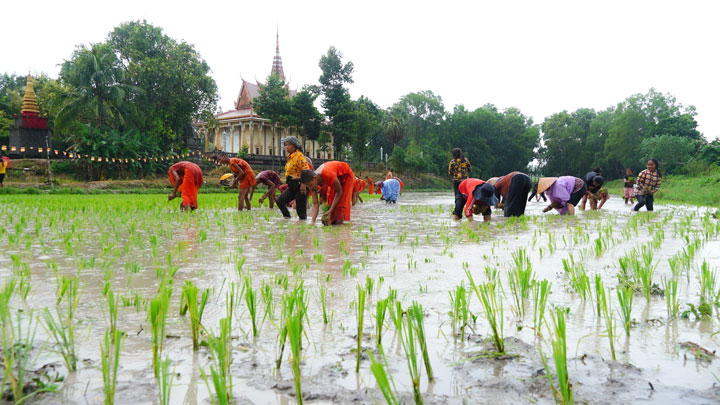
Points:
(99, 93)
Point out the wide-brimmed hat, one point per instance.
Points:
(292, 140)
(493, 180)
(485, 193)
(544, 183)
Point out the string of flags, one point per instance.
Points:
(73, 155)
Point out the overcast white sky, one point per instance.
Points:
(540, 56)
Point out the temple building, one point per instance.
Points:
(242, 127)
(30, 137)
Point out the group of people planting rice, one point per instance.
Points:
(510, 192)
(335, 184)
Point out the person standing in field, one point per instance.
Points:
(458, 170)
(628, 186)
(648, 183)
(296, 191)
(479, 197)
(390, 190)
(244, 179)
(389, 174)
(513, 189)
(595, 192)
(371, 185)
(3, 170)
(185, 177)
(272, 181)
(336, 181)
(564, 193)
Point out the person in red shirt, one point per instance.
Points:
(336, 182)
(371, 185)
(479, 195)
(244, 179)
(272, 180)
(185, 177)
(357, 189)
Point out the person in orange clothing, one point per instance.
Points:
(336, 181)
(244, 179)
(371, 185)
(480, 196)
(357, 189)
(389, 175)
(185, 177)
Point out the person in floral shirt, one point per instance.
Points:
(648, 183)
(458, 170)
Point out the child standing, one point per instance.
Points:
(628, 189)
(648, 183)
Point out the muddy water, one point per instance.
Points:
(413, 247)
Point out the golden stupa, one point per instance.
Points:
(30, 104)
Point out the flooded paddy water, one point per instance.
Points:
(140, 251)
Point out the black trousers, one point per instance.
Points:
(515, 201)
(459, 199)
(293, 193)
(646, 200)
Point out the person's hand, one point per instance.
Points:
(500, 205)
(261, 200)
(325, 220)
(548, 208)
(171, 196)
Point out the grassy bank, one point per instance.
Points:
(694, 190)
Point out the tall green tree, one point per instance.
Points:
(274, 102)
(175, 80)
(305, 116)
(424, 111)
(336, 97)
(99, 89)
(366, 126)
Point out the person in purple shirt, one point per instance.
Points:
(564, 193)
(272, 181)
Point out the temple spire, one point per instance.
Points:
(30, 104)
(277, 68)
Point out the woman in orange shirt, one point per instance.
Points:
(185, 177)
(244, 179)
(336, 181)
(357, 189)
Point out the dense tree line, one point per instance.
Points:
(135, 93)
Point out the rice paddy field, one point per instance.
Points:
(124, 299)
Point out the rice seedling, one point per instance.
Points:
(521, 280)
(563, 391)
(110, 349)
(157, 315)
(671, 299)
(460, 304)
(492, 304)
(383, 377)
(360, 315)
(541, 291)
(579, 280)
(605, 310)
(416, 317)
(294, 302)
(190, 304)
(409, 342)
(381, 308)
(221, 359)
(625, 297)
(251, 302)
(643, 271)
(323, 304)
(295, 331)
(165, 382)
(61, 325)
(708, 284)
